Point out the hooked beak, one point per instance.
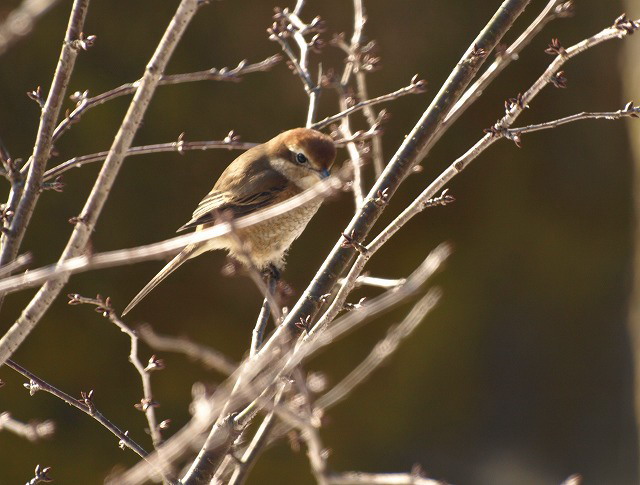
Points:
(324, 173)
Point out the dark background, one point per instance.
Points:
(523, 373)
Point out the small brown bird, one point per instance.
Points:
(262, 176)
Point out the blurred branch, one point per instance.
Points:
(85, 404)
(85, 103)
(20, 21)
(265, 368)
(211, 358)
(361, 478)
(24, 193)
(32, 431)
(18, 263)
(85, 223)
(380, 353)
(78, 264)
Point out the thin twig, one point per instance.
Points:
(256, 445)
(416, 86)
(629, 111)
(24, 193)
(179, 146)
(85, 404)
(85, 223)
(85, 103)
(553, 10)
(288, 24)
(415, 147)
(147, 404)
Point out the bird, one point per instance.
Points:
(262, 176)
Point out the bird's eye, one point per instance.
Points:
(301, 159)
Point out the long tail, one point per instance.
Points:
(186, 253)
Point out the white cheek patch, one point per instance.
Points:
(280, 165)
(293, 173)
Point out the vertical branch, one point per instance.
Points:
(106, 178)
(24, 193)
(371, 116)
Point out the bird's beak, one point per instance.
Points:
(324, 173)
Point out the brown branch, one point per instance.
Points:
(553, 10)
(416, 86)
(32, 431)
(85, 103)
(629, 111)
(159, 250)
(211, 358)
(85, 404)
(24, 193)
(147, 404)
(415, 147)
(20, 21)
(101, 189)
(362, 478)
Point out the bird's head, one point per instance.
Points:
(302, 155)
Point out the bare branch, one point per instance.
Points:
(20, 21)
(78, 264)
(32, 431)
(416, 145)
(93, 207)
(180, 146)
(104, 307)
(361, 478)
(416, 86)
(85, 404)
(85, 103)
(211, 358)
(380, 353)
(629, 111)
(24, 193)
(553, 10)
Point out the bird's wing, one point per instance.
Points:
(240, 203)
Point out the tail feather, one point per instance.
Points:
(186, 253)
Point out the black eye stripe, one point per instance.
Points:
(300, 158)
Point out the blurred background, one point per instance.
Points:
(523, 374)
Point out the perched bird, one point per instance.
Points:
(261, 177)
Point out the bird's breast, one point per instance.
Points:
(268, 241)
